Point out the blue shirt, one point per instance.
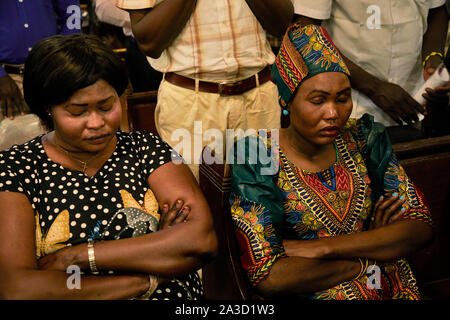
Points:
(25, 22)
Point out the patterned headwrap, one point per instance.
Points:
(305, 52)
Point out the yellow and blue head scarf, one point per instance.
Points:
(305, 52)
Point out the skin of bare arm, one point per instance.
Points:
(306, 275)
(20, 277)
(434, 38)
(155, 29)
(386, 243)
(274, 16)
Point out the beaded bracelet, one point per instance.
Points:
(434, 53)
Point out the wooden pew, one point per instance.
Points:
(223, 279)
(139, 111)
(426, 161)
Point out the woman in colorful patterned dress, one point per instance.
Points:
(332, 213)
(88, 211)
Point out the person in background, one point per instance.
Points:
(87, 195)
(390, 47)
(22, 24)
(142, 76)
(333, 214)
(216, 60)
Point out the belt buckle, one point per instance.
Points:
(221, 86)
(227, 83)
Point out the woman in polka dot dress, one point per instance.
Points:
(86, 195)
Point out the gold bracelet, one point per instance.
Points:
(434, 53)
(360, 271)
(91, 257)
(364, 266)
(153, 284)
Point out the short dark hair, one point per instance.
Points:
(59, 66)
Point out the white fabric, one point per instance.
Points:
(107, 11)
(391, 52)
(222, 40)
(22, 128)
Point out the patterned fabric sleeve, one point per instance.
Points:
(257, 212)
(385, 172)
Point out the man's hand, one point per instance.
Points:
(397, 103)
(437, 96)
(431, 66)
(11, 98)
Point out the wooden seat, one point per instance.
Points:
(223, 278)
(139, 111)
(427, 162)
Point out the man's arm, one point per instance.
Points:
(389, 97)
(434, 38)
(274, 15)
(10, 96)
(156, 28)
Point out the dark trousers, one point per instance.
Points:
(142, 76)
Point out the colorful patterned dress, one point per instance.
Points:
(297, 204)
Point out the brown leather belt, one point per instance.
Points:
(13, 68)
(222, 88)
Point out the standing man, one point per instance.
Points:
(142, 76)
(22, 24)
(216, 63)
(390, 47)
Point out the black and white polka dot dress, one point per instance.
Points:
(115, 203)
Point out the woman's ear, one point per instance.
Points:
(285, 118)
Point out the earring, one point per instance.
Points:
(285, 112)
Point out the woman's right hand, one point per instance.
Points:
(174, 215)
(387, 210)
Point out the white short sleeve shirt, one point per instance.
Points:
(222, 40)
(384, 37)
